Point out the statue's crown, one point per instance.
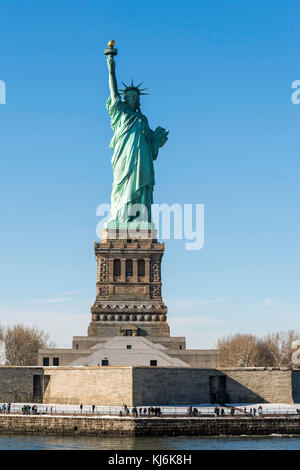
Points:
(133, 87)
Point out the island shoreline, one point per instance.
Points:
(148, 427)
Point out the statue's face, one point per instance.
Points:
(132, 99)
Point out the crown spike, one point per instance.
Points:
(134, 88)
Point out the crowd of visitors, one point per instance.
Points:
(150, 411)
(27, 410)
(193, 411)
(252, 411)
(5, 409)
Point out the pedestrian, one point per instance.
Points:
(254, 411)
(140, 410)
(245, 411)
(232, 411)
(8, 408)
(145, 411)
(149, 412)
(251, 411)
(93, 408)
(81, 407)
(222, 412)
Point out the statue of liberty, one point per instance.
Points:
(135, 147)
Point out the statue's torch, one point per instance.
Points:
(110, 50)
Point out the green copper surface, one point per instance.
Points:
(135, 148)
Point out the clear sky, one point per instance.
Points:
(220, 74)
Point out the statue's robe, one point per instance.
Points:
(134, 149)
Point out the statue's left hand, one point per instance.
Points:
(161, 135)
(163, 139)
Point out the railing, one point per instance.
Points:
(203, 411)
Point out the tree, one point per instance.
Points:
(246, 350)
(239, 350)
(279, 346)
(22, 344)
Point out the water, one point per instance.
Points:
(29, 442)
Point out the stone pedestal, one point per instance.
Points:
(129, 300)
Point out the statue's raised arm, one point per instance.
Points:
(110, 52)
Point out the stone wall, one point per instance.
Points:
(16, 383)
(89, 385)
(259, 385)
(66, 425)
(215, 426)
(296, 385)
(139, 427)
(170, 386)
(113, 386)
(167, 386)
(200, 358)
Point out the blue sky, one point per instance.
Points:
(220, 76)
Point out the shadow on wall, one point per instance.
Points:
(166, 386)
(296, 385)
(239, 393)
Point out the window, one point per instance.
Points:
(129, 267)
(45, 361)
(56, 361)
(153, 362)
(117, 267)
(141, 268)
(104, 362)
(128, 332)
(129, 346)
(76, 346)
(180, 347)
